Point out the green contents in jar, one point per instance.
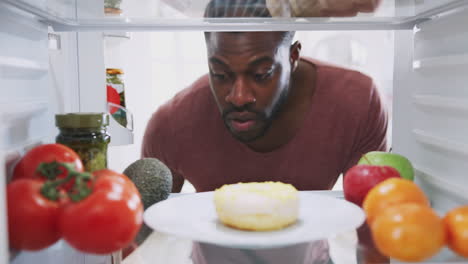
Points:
(114, 76)
(93, 155)
(112, 7)
(86, 134)
(112, 3)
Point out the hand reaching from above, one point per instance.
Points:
(322, 8)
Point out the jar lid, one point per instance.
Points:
(113, 71)
(82, 120)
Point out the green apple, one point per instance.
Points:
(399, 162)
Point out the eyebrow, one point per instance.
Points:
(250, 64)
(218, 61)
(261, 60)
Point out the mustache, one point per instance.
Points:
(239, 109)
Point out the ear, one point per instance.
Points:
(295, 54)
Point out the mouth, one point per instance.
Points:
(242, 125)
(242, 121)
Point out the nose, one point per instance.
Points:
(241, 93)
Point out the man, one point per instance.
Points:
(264, 113)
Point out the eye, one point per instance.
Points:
(263, 76)
(219, 76)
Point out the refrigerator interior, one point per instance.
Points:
(53, 56)
(157, 65)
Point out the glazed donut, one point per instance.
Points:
(257, 206)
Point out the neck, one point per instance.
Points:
(293, 113)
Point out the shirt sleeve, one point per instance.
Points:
(155, 145)
(372, 135)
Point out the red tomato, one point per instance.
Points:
(105, 221)
(124, 178)
(27, 166)
(32, 218)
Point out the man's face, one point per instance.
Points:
(249, 76)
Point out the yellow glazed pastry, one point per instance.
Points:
(257, 206)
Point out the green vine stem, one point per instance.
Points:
(51, 170)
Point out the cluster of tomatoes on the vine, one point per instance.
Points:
(50, 197)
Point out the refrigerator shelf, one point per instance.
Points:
(117, 35)
(439, 177)
(13, 113)
(188, 15)
(453, 190)
(12, 67)
(19, 115)
(443, 61)
(452, 106)
(445, 145)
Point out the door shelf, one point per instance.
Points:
(120, 126)
(120, 136)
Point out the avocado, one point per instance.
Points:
(153, 180)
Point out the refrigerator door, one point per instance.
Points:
(431, 106)
(25, 104)
(38, 79)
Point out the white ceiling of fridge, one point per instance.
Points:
(85, 15)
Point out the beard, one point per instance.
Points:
(263, 119)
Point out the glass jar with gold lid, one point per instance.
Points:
(86, 134)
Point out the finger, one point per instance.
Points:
(335, 7)
(347, 13)
(366, 5)
(305, 8)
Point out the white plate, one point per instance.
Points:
(194, 217)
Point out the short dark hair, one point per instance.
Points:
(242, 8)
(286, 36)
(237, 8)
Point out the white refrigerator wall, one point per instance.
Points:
(431, 106)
